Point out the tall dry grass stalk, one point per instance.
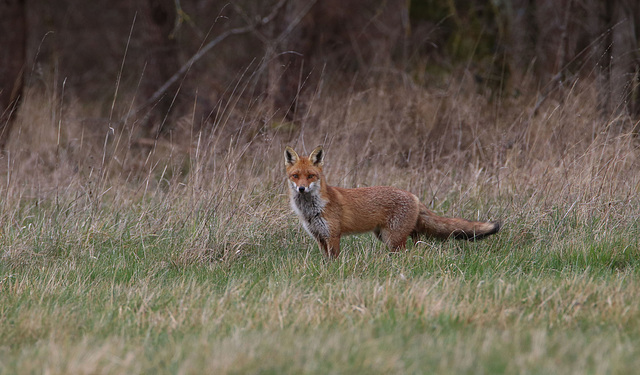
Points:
(462, 151)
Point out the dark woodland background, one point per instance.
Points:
(93, 51)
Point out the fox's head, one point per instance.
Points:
(304, 173)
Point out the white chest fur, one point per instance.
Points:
(308, 207)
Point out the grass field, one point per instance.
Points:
(184, 258)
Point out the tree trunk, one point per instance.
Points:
(624, 56)
(12, 62)
(345, 35)
(615, 26)
(158, 20)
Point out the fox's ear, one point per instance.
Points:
(290, 156)
(317, 156)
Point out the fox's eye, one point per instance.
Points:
(311, 176)
(295, 175)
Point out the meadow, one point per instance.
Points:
(181, 255)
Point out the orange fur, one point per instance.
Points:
(328, 212)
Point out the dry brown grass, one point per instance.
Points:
(429, 140)
(455, 146)
(183, 251)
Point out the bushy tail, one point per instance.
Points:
(443, 228)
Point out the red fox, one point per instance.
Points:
(328, 212)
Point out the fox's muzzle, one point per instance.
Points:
(301, 189)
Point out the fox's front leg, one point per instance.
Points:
(334, 247)
(330, 246)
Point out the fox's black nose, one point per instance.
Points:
(301, 189)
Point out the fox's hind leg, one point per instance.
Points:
(378, 234)
(399, 226)
(395, 240)
(415, 237)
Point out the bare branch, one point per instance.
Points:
(206, 48)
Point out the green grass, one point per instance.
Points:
(117, 259)
(122, 291)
